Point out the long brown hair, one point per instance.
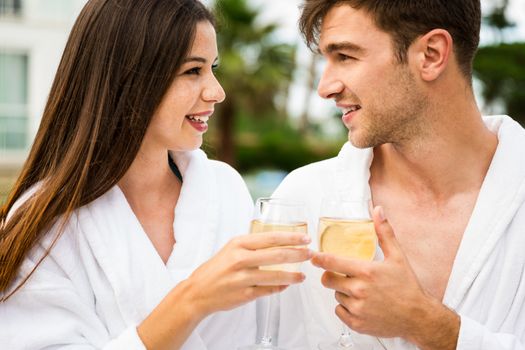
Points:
(405, 20)
(119, 61)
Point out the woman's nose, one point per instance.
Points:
(214, 92)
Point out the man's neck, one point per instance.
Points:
(454, 158)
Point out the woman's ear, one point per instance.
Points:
(432, 52)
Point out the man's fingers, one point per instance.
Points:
(385, 233)
(347, 317)
(350, 286)
(334, 281)
(264, 240)
(342, 265)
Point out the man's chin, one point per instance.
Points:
(357, 141)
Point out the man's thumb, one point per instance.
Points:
(385, 233)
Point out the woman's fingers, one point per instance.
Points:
(276, 256)
(264, 240)
(255, 292)
(261, 278)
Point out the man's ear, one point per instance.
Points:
(432, 52)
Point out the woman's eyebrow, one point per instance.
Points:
(195, 59)
(198, 59)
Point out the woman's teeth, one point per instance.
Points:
(198, 119)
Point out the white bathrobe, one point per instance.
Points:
(104, 276)
(487, 284)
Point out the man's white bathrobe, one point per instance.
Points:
(487, 283)
(104, 276)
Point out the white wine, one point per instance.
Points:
(355, 239)
(258, 227)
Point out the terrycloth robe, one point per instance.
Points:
(487, 284)
(104, 276)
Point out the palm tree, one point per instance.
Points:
(501, 67)
(254, 69)
(497, 19)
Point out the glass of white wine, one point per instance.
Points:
(274, 214)
(346, 229)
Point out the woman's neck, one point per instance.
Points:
(150, 180)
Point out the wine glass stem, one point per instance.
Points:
(267, 337)
(345, 340)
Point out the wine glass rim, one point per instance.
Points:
(279, 200)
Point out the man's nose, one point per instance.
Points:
(330, 84)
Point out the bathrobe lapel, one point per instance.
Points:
(127, 256)
(501, 195)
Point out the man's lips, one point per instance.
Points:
(348, 110)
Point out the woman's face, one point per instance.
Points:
(181, 118)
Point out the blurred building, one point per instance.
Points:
(33, 34)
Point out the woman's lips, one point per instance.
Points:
(199, 120)
(199, 125)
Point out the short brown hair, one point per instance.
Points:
(405, 20)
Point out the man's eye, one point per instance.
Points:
(342, 57)
(195, 71)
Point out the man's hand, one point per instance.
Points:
(385, 298)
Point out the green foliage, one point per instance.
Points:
(498, 19)
(273, 143)
(254, 66)
(501, 69)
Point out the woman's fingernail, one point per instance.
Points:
(306, 239)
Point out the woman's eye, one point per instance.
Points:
(195, 71)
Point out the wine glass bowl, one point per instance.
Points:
(346, 229)
(258, 226)
(348, 238)
(270, 215)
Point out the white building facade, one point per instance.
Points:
(33, 34)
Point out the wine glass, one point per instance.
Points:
(274, 214)
(346, 229)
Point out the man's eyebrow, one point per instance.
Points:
(342, 46)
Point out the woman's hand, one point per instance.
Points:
(229, 279)
(232, 277)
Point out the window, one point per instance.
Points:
(10, 7)
(13, 101)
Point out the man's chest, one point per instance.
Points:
(429, 236)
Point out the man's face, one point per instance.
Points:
(379, 97)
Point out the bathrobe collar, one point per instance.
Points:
(500, 196)
(128, 258)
